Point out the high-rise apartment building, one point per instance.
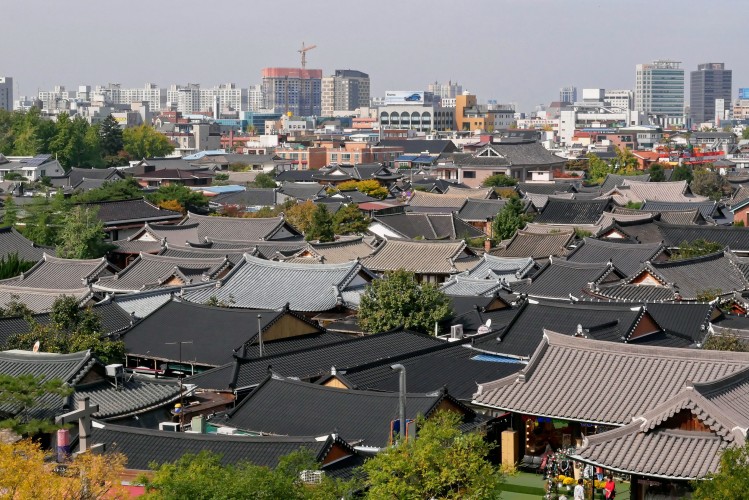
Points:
(186, 98)
(711, 82)
(55, 99)
(345, 91)
(447, 90)
(293, 90)
(659, 90)
(622, 100)
(6, 93)
(568, 94)
(255, 97)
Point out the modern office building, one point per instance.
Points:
(447, 90)
(622, 100)
(293, 90)
(659, 91)
(710, 83)
(344, 91)
(568, 94)
(6, 93)
(414, 110)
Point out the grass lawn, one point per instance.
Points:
(526, 486)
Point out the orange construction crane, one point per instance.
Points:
(303, 51)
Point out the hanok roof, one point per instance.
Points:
(283, 406)
(154, 271)
(516, 154)
(241, 228)
(686, 279)
(301, 176)
(480, 210)
(677, 217)
(636, 379)
(145, 446)
(613, 180)
(418, 146)
(131, 211)
(234, 255)
(561, 279)
(176, 174)
(257, 197)
(40, 300)
(503, 268)
(302, 190)
(460, 284)
(559, 211)
(76, 175)
(305, 287)
(736, 238)
(421, 256)
(53, 273)
(427, 226)
(708, 208)
(669, 192)
(356, 172)
(231, 328)
(547, 188)
(11, 241)
(626, 257)
(315, 361)
(450, 201)
(334, 252)
(536, 245)
(142, 304)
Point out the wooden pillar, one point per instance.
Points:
(510, 447)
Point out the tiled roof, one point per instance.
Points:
(539, 201)
(633, 231)
(420, 256)
(418, 146)
(315, 361)
(682, 217)
(560, 278)
(334, 252)
(636, 379)
(536, 245)
(129, 398)
(453, 198)
(305, 287)
(687, 320)
(60, 274)
(613, 180)
(465, 285)
(144, 446)
(626, 257)
(241, 229)
(428, 226)
(203, 254)
(257, 197)
(131, 211)
(558, 211)
(231, 328)
(301, 176)
(76, 175)
(11, 241)
(546, 188)
(154, 271)
(669, 192)
(736, 238)
(40, 300)
(283, 406)
(504, 268)
(480, 210)
(708, 208)
(141, 304)
(609, 218)
(168, 233)
(174, 174)
(302, 190)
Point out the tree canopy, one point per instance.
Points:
(23, 393)
(81, 235)
(263, 180)
(185, 196)
(110, 135)
(300, 215)
(656, 172)
(706, 182)
(726, 342)
(442, 462)
(321, 227)
(145, 142)
(499, 180)
(120, 189)
(682, 173)
(695, 248)
(11, 211)
(370, 187)
(350, 220)
(399, 300)
(509, 219)
(731, 480)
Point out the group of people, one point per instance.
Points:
(609, 490)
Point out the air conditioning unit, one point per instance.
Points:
(169, 426)
(227, 431)
(114, 370)
(456, 332)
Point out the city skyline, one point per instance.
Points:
(525, 61)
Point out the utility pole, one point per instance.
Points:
(181, 394)
(401, 399)
(260, 334)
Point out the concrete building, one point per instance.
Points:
(444, 91)
(711, 82)
(186, 99)
(741, 105)
(415, 110)
(344, 91)
(55, 99)
(471, 116)
(293, 90)
(594, 116)
(568, 94)
(228, 96)
(659, 91)
(255, 97)
(6, 93)
(619, 99)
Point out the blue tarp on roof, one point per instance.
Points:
(233, 188)
(495, 359)
(201, 154)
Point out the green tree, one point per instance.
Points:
(682, 173)
(121, 189)
(185, 196)
(81, 235)
(726, 342)
(695, 248)
(730, 481)
(300, 215)
(625, 162)
(321, 228)
(656, 173)
(41, 222)
(23, 394)
(597, 169)
(145, 142)
(350, 220)
(11, 265)
(110, 135)
(745, 133)
(509, 220)
(499, 180)
(263, 180)
(11, 211)
(14, 308)
(399, 300)
(708, 183)
(442, 462)
(70, 329)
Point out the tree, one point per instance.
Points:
(350, 220)
(14, 308)
(732, 478)
(70, 329)
(23, 393)
(11, 211)
(88, 476)
(121, 189)
(300, 215)
(172, 205)
(499, 180)
(11, 265)
(696, 248)
(726, 342)
(442, 462)
(656, 173)
(398, 300)
(42, 222)
(745, 133)
(509, 220)
(708, 183)
(81, 235)
(369, 187)
(263, 180)
(682, 173)
(321, 228)
(145, 142)
(625, 162)
(185, 196)
(110, 135)
(597, 169)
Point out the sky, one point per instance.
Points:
(519, 51)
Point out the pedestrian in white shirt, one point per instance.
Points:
(579, 490)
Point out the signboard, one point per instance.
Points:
(744, 93)
(408, 97)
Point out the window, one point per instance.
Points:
(469, 174)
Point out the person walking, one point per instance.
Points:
(579, 493)
(609, 489)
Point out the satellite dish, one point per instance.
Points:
(37, 344)
(489, 323)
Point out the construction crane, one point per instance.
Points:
(303, 51)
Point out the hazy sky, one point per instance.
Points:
(518, 51)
